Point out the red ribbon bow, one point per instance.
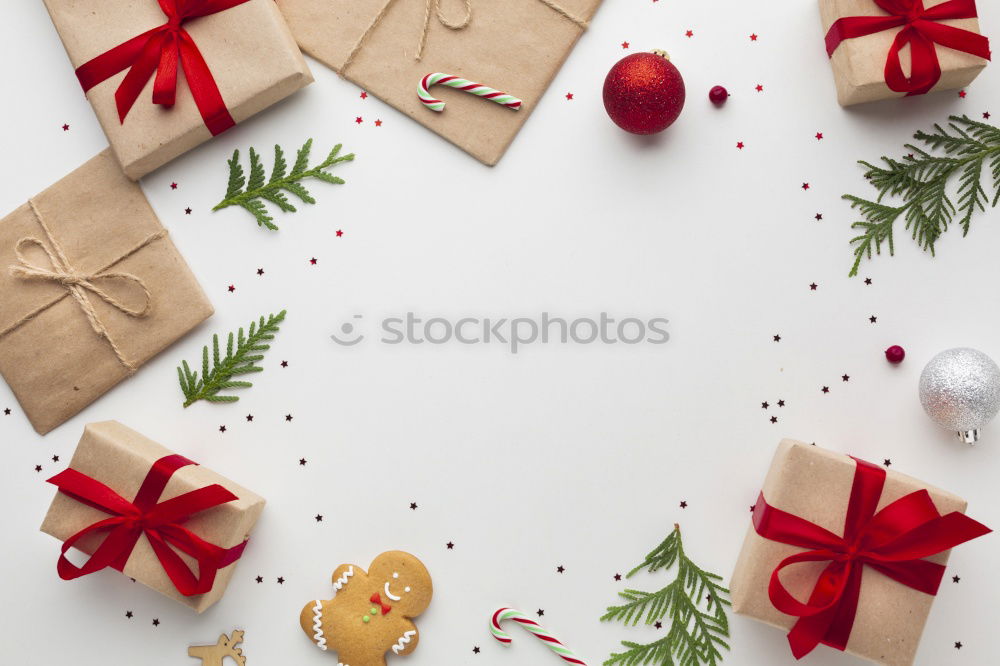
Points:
(893, 541)
(921, 31)
(162, 50)
(376, 599)
(159, 521)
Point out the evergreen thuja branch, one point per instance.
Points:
(251, 193)
(919, 182)
(695, 603)
(243, 352)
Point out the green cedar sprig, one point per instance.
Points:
(281, 179)
(240, 359)
(694, 602)
(919, 182)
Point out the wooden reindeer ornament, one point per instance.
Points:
(213, 655)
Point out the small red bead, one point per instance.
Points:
(895, 354)
(718, 95)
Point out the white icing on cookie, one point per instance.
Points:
(403, 641)
(390, 594)
(318, 636)
(342, 581)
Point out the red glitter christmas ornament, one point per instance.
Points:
(644, 93)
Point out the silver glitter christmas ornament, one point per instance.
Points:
(960, 390)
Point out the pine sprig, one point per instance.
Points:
(695, 603)
(242, 354)
(920, 180)
(281, 181)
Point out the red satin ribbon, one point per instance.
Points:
(159, 521)
(921, 31)
(377, 599)
(893, 541)
(162, 50)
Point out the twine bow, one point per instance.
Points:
(77, 283)
(434, 7)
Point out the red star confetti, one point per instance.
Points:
(759, 88)
(569, 95)
(962, 94)
(739, 144)
(65, 128)
(364, 95)
(339, 233)
(232, 288)
(986, 115)
(624, 45)
(313, 261)
(805, 186)
(359, 120)
(378, 123)
(173, 186)
(753, 37)
(819, 136)
(689, 33)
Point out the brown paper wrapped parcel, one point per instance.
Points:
(91, 287)
(120, 458)
(816, 484)
(248, 49)
(388, 46)
(859, 63)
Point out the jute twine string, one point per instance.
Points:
(77, 283)
(434, 6)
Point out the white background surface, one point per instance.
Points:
(575, 456)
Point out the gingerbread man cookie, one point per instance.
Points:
(370, 613)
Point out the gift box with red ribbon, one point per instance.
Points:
(847, 554)
(882, 49)
(131, 505)
(164, 76)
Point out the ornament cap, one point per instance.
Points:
(663, 54)
(970, 437)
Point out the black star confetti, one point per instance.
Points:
(450, 545)
(302, 461)
(259, 579)
(249, 417)
(560, 569)
(540, 612)
(955, 579)
(156, 621)
(684, 504)
(886, 462)
(128, 614)
(281, 580)
(319, 518)
(475, 650)
(413, 506)
(288, 417)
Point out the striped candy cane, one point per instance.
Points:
(540, 633)
(434, 104)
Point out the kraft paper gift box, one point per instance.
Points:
(816, 485)
(516, 46)
(859, 63)
(120, 458)
(248, 50)
(91, 287)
